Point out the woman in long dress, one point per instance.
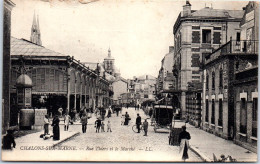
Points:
(184, 138)
(56, 128)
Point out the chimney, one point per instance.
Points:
(171, 48)
(186, 9)
(146, 77)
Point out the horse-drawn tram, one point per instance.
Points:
(162, 117)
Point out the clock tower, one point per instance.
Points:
(109, 62)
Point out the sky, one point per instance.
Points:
(138, 32)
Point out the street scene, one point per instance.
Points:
(130, 81)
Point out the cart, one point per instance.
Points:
(162, 117)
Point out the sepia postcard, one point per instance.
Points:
(130, 80)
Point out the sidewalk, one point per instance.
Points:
(205, 144)
(33, 140)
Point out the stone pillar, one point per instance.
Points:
(75, 93)
(68, 91)
(238, 103)
(80, 95)
(249, 120)
(183, 104)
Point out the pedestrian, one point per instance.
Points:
(60, 110)
(46, 125)
(56, 128)
(102, 127)
(84, 122)
(127, 118)
(109, 126)
(73, 114)
(8, 141)
(103, 113)
(138, 122)
(81, 112)
(98, 125)
(66, 121)
(184, 138)
(109, 112)
(117, 110)
(145, 125)
(151, 112)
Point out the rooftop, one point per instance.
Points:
(217, 13)
(27, 48)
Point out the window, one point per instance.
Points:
(213, 80)
(220, 115)
(221, 78)
(254, 117)
(243, 116)
(207, 111)
(216, 37)
(207, 81)
(195, 60)
(213, 112)
(195, 36)
(206, 36)
(238, 36)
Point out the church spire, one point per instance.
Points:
(35, 31)
(109, 52)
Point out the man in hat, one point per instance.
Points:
(145, 125)
(138, 122)
(8, 141)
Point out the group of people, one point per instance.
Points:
(99, 124)
(138, 123)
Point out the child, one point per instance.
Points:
(66, 122)
(109, 126)
(97, 125)
(46, 125)
(8, 140)
(102, 127)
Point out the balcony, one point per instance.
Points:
(239, 47)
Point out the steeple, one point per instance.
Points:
(109, 52)
(35, 31)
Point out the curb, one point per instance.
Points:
(61, 141)
(200, 154)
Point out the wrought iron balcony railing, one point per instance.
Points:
(242, 47)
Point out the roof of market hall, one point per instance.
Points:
(27, 48)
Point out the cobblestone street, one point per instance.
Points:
(125, 144)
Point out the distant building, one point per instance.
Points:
(120, 86)
(143, 88)
(196, 34)
(108, 71)
(166, 80)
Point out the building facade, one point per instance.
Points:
(58, 80)
(246, 82)
(120, 86)
(197, 33)
(165, 76)
(230, 84)
(8, 6)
